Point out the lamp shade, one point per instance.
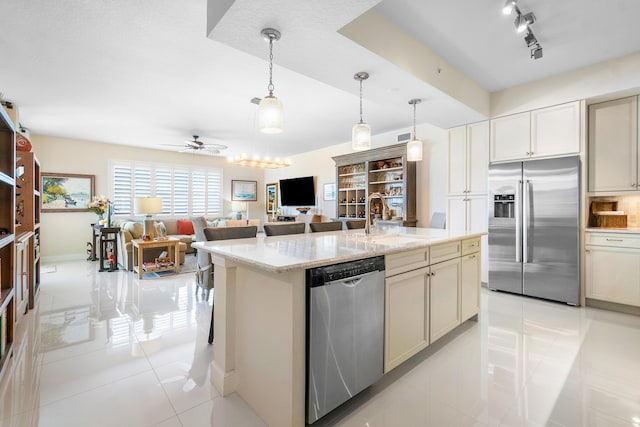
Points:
(148, 205)
(414, 150)
(270, 115)
(361, 137)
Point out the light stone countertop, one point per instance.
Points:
(302, 251)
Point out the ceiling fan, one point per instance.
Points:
(199, 146)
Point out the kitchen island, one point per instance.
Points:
(432, 285)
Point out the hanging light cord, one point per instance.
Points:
(361, 101)
(270, 87)
(414, 120)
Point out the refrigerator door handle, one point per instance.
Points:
(518, 220)
(526, 213)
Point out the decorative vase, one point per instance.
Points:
(99, 218)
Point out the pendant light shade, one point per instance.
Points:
(361, 132)
(270, 109)
(270, 115)
(414, 147)
(361, 137)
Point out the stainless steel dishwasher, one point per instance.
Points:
(345, 332)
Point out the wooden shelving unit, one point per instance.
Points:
(7, 238)
(384, 170)
(28, 217)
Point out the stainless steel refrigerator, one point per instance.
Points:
(534, 228)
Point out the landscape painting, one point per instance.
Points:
(66, 192)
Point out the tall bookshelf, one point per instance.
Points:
(7, 238)
(28, 217)
(383, 170)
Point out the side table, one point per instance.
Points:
(108, 245)
(139, 246)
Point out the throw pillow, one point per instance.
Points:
(161, 229)
(185, 226)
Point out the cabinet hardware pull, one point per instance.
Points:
(614, 240)
(433, 273)
(472, 256)
(528, 154)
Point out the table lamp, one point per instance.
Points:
(238, 208)
(148, 206)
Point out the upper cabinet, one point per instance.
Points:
(468, 159)
(613, 146)
(384, 170)
(545, 132)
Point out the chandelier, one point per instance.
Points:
(257, 162)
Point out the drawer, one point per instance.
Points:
(619, 240)
(444, 251)
(470, 246)
(406, 261)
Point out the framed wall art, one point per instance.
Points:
(244, 191)
(65, 192)
(272, 198)
(330, 191)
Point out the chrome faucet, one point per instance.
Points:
(376, 195)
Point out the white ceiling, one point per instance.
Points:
(146, 73)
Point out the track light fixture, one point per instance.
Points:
(522, 23)
(508, 7)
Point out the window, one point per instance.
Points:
(184, 191)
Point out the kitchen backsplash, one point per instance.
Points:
(629, 204)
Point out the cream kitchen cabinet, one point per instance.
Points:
(613, 146)
(612, 270)
(444, 292)
(469, 159)
(470, 213)
(470, 279)
(406, 316)
(546, 132)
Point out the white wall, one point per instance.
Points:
(66, 234)
(609, 77)
(431, 173)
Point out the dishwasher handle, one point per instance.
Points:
(352, 282)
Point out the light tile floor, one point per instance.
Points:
(105, 349)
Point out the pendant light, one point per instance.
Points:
(270, 109)
(361, 132)
(414, 147)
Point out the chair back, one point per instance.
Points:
(284, 228)
(325, 226)
(358, 223)
(438, 220)
(228, 233)
(199, 224)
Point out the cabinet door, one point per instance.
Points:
(457, 213)
(458, 160)
(555, 130)
(613, 145)
(21, 293)
(478, 220)
(406, 316)
(478, 157)
(470, 286)
(444, 291)
(613, 274)
(510, 137)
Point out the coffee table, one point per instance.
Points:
(139, 246)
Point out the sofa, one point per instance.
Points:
(133, 229)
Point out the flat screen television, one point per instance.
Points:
(297, 192)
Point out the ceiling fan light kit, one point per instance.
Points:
(523, 24)
(198, 146)
(270, 108)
